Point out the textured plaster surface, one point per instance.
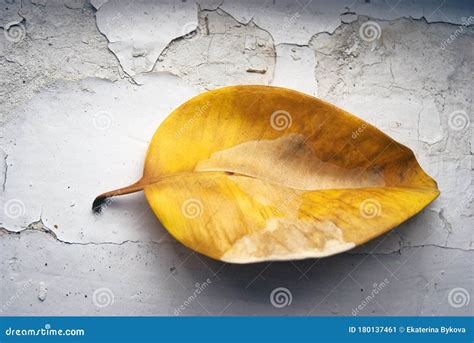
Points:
(84, 85)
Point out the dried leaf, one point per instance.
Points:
(255, 173)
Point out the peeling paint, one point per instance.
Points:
(42, 53)
(296, 22)
(141, 25)
(224, 52)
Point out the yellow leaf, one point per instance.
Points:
(256, 173)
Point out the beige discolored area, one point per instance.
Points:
(288, 239)
(290, 161)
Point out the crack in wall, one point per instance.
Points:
(446, 225)
(403, 247)
(38, 226)
(5, 169)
